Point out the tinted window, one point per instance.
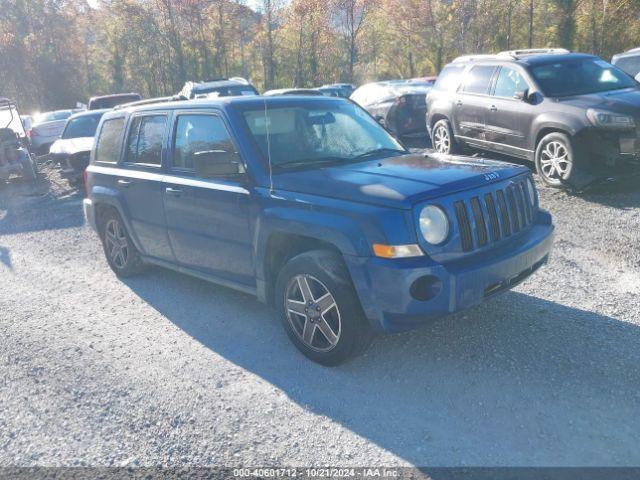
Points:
(508, 83)
(110, 141)
(580, 77)
(145, 139)
(84, 126)
(478, 79)
(197, 134)
(318, 134)
(449, 78)
(631, 65)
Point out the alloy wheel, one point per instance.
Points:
(441, 139)
(554, 161)
(116, 242)
(313, 313)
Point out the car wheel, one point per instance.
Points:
(320, 309)
(555, 161)
(442, 138)
(122, 255)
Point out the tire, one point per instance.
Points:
(311, 276)
(126, 262)
(555, 160)
(442, 139)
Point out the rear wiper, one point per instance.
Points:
(379, 151)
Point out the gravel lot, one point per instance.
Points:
(164, 369)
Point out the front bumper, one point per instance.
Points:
(89, 213)
(384, 286)
(611, 151)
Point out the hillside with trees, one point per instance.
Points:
(54, 53)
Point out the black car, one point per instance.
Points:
(219, 87)
(573, 114)
(399, 105)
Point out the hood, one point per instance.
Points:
(626, 101)
(398, 182)
(71, 146)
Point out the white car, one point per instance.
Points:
(46, 129)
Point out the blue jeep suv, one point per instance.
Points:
(309, 204)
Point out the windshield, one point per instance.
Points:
(52, 116)
(580, 77)
(84, 126)
(318, 133)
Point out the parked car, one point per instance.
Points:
(573, 114)
(111, 101)
(334, 91)
(292, 91)
(346, 88)
(399, 105)
(14, 154)
(46, 129)
(222, 87)
(628, 62)
(72, 150)
(311, 205)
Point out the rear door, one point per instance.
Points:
(208, 216)
(139, 182)
(508, 116)
(471, 104)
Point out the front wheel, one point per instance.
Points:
(319, 308)
(555, 160)
(442, 139)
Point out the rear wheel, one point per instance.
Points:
(122, 255)
(442, 139)
(319, 308)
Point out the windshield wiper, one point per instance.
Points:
(379, 151)
(310, 162)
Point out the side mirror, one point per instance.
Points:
(523, 96)
(217, 163)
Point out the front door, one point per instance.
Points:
(470, 109)
(208, 213)
(508, 116)
(139, 182)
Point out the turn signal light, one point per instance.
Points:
(396, 251)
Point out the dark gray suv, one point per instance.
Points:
(574, 115)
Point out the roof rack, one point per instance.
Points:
(474, 58)
(533, 51)
(150, 101)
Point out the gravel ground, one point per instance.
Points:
(164, 369)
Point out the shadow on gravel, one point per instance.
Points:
(518, 381)
(45, 205)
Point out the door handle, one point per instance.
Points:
(493, 108)
(124, 183)
(176, 192)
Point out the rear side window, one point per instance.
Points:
(478, 79)
(145, 139)
(449, 78)
(202, 135)
(109, 141)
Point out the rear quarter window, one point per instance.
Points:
(449, 79)
(109, 141)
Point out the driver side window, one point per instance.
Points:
(199, 136)
(509, 83)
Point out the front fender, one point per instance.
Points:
(569, 123)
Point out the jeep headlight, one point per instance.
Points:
(434, 224)
(603, 118)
